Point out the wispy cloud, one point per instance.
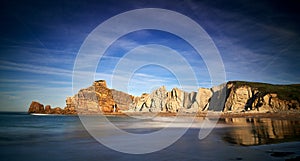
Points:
(38, 69)
(34, 81)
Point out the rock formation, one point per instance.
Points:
(99, 99)
(36, 107)
(160, 100)
(235, 96)
(230, 97)
(245, 96)
(122, 100)
(174, 100)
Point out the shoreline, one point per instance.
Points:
(211, 114)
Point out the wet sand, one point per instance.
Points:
(53, 138)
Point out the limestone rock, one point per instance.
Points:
(104, 96)
(48, 109)
(246, 98)
(57, 110)
(94, 99)
(85, 101)
(123, 100)
(218, 98)
(203, 98)
(158, 99)
(174, 100)
(142, 103)
(36, 107)
(238, 99)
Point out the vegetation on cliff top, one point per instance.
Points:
(284, 92)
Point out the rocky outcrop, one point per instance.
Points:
(161, 100)
(245, 96)
(230, 97)
(122, 100)
(36, 107)
(174, 100)
(203, 98)
(157, 100)
(85, 101)
(238, 98)
(104, 97)
(235, 96)
(98, 98)
(94, 99)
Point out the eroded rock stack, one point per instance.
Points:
(36, 107)
(99, 99)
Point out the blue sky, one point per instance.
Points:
(39, 41)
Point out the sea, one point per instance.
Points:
(65, 138)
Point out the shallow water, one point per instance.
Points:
(258, 131)
(27, 137)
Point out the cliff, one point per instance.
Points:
(100, 99)
(237, 97)
(162, 100)
(250, 96)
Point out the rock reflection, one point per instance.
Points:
(257, 131)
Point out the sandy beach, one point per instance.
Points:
(28, 137)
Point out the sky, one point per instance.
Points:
(40, 41)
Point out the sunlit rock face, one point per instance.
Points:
(36, 107)
(233, 97)
(174, 100)
(86, 101)
(142, 104)
(104, 96)
(246, 98)
(158, 100)
(257, 131)
(227, 98)
(238, 99)
(123, 101)
(161, 100)
(203, 98)
(99, 99)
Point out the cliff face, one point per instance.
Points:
(245, 96)
(122, 100)
(238, 97)
(100, 99)
(161, 100)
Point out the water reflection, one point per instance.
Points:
(257, 131)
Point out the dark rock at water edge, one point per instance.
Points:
(36, 107)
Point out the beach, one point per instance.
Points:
(59, 137)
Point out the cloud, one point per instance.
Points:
(34, 81)
(38, 69)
